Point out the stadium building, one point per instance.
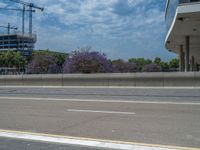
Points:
(183, 32)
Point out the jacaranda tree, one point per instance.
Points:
(86, 61)
(42, 64)
(120, 66)
(152, 68)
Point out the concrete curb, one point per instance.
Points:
(98, 143)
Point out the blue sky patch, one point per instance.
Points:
(119, 28)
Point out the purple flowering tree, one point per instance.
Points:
(130, 67)
(152, 68)
(84, 61)
(120, 66)
(54, 68)
(42, 64)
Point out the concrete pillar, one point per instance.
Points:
(187, 53)
(181, 59)
(197, 67)
(192, 64)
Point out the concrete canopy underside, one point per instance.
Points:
(186, 23)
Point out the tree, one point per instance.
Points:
(140, 62)
(42, 64)
(174, 64)
(12, 59)
(130, 67)
(165, 66)
(59, 57)
(20, 61)
(120, 66)
(86, 61)
(157, 61)
(152, 68)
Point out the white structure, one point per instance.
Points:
(183, 32)
(23, 43)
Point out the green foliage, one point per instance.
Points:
(165, 66)
(119, 65)
(152, 68)
(174, 64)
(59, 57)
(12, 59)
(157, 61)
(140, 62)
(56, 60)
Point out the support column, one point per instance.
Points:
(187, 53)
(181, 59)
(192, 63)
(197, 67)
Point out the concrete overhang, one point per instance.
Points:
(186, 23)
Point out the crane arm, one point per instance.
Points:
(16, 9)
(15, 28)
(40, 8)
(21, 2)
(28, 4)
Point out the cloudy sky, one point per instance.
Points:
(119, 28)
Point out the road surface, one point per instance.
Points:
(152, 116)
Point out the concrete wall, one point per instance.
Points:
(149, 79)
(178, 79)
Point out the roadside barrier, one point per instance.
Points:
(168, 79)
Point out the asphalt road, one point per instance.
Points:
(142, 94)
(173, 118)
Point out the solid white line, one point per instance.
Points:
(100, 101)
(78, 141)
(105, 87)
(103, 112)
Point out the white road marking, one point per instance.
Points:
(105, 87)
(100, 101)
(80, 141)
(103, 112)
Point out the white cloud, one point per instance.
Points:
(106, 24)
(2, 4)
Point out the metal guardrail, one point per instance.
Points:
(190, 79)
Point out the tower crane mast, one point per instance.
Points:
(31, 7)
(9, 28)
(23, 15)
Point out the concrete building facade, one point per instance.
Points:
(18, 42)
(183, 32)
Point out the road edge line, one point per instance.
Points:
(89, 142)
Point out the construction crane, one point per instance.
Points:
(23, 15)
(9, 28)
(31, 7)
